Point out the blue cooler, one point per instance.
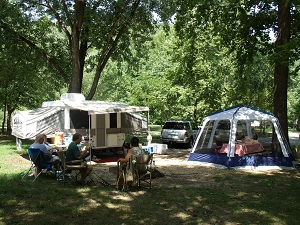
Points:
(150, 150)
(67, 140)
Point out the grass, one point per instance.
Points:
(155, 131)
(234, 197)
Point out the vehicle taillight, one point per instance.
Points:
(186, 134)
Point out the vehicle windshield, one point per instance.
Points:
(175, 125)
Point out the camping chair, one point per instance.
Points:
(37, 160)
(121, 184)
(138, 169)
(143, 167)
(27, 171)
(71, 170)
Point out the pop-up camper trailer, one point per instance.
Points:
(106, 123)
(242, 138)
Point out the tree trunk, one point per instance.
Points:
(9, 116)
(298, 123)
(77, 71)
(77, 54)
(281, 71)
(4, 117)
(195, 110)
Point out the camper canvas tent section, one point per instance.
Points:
(242, 137)
(47, 120)
(102, 121)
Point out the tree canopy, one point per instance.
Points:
(213, 55)
(245, 27)
(104, 26)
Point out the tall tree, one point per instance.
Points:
(25, 79)
(281, 72)
(107, 26)
(143, 80)
(245, 27)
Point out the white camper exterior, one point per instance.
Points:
(105, 123)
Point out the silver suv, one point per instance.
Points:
(175, 132)
(223, 131)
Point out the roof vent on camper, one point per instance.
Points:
(72, 97)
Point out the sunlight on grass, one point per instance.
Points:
(122, 197)
(262, 214)
(182, 215)
(222, 197)
(93, 203)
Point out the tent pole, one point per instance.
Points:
(18, 143)
(89, 137)
(148, 121)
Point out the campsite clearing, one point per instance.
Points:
(185, 195)
(178, 174)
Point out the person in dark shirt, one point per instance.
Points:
(74, 153)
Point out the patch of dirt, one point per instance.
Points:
(178, 174)
(173, 165)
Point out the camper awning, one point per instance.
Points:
(97, 107)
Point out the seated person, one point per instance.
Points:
(73, 153)
(50, 148)
(48, 157)
(134, 150)
(123, 162)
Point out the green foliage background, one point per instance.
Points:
(183, 70)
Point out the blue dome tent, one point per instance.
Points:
(241, 137)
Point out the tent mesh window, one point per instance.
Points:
(262, 131)
(203, 144)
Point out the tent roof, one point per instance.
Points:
(37, 114)
(96, 107)
(241, 113)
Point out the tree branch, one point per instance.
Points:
(52, 61)
(67, 13)
(110, 47)
(61, 23)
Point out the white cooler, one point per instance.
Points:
(159, 148)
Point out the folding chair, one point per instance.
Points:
(138, 169)
(37, 160)
(121, 184)
(27, 171)
(71, 169)
(143, 167)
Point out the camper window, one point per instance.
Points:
(79, 119)
(113, 120)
